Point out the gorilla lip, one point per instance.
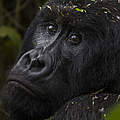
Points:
(21, 86)
(30, 90)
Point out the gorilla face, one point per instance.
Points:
(67, 51)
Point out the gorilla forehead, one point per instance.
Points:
(91, 10)
(79, 15)
(84, 1)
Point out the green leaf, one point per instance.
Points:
(80, 10)
(12, 34)
(115, 114)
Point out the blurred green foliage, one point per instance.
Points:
(10, 38)
(15, 17)
(10, 42)
(115, 113)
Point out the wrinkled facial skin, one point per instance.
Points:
(63, 56)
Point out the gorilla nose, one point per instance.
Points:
(35, 62)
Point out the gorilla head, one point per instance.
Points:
(71, 48)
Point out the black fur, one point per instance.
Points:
(71, 73)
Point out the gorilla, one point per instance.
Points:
(68, 66)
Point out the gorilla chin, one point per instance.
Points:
(25, 102)
(23, 106)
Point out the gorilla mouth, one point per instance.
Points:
(21, 85)
(30, 89)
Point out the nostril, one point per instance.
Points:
(41, 64)
(24, 62)
(28, 61)
(37, 65)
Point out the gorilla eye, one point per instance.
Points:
(52, 29)
(75, 39)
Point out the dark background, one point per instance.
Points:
(15, 17)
